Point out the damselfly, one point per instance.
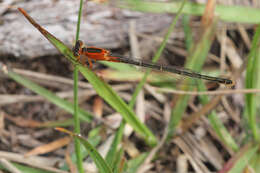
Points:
(99, 54)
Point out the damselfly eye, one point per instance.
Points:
(77, 47)
(75, 51)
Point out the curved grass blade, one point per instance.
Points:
(93, 138)
(103, 89)
(225, 13)
(67, 106)
(96, 157)
(252, 81)
(214, 120)
(111, 154)
(196, 60)
(119, 162)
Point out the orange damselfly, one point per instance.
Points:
(99, 54)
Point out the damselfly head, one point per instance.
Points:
(77, 47)
(75, 52)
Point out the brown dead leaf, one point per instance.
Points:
(2, 124)
(131, 150)
(19, 121)
(98, 106)
(49, 147)
(208, 15)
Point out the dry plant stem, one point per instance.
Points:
(218, 92)
(50, 78)
(152, 153)
(175, 48)
(47, 80)
(228, 165)
(208, 16)
(233, 54)
(182, 164)
(11, 99)
(194, 161)
(9, 166)
(244, 36)
(223, 49)
(214, 135)
(232, 113)
(72, 166)
(34, 161)
(158, 96)
(135, 51)
(4, 69)
(157, 54)
(186, 124)
(19, 121)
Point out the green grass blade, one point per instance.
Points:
(93, 138)
(76, 106)
(225, 13)
(97, 158)
(121, 67)
(106, 92)
(79, 19)
(111, 155)
(254, 163)
(28, 169)
(65, 105)
(222, 132)
(216, 123)
(156, 57)
(103, 89)
(253, 81)
(134, 164)
(119, 162)
(187, 31)
(101, 164)
(76, 121)
(154, 78)
(196, 59)
(244, 160)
